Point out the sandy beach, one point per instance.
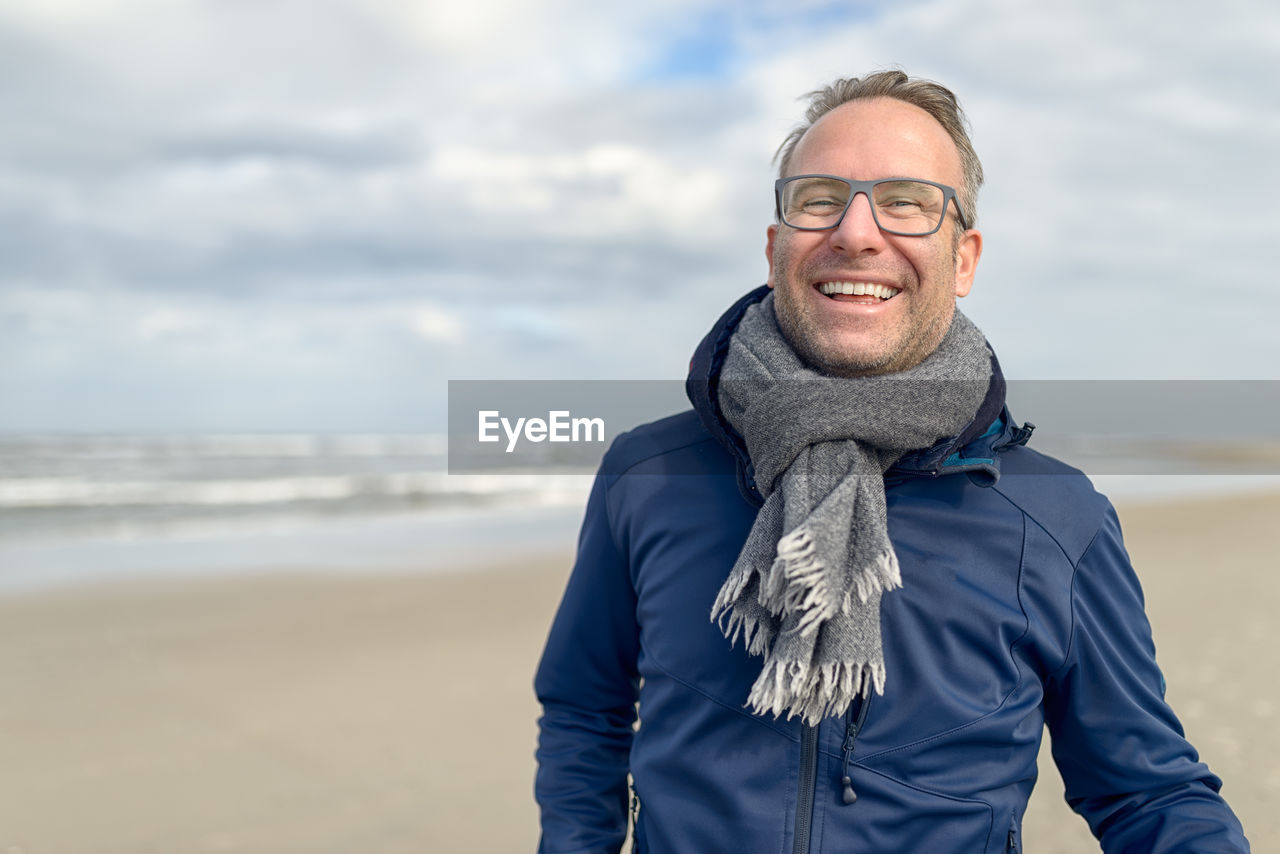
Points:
(299, 712)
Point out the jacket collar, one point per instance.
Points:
(974, 450)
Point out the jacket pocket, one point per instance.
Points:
(891, 815)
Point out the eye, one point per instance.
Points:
(821, 204)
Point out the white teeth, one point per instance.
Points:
(858, 289)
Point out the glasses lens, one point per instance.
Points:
(901, 207)
(909, 207)
(813, 202)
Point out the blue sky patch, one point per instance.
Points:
(707, 46)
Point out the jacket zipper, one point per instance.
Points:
(808, 783)
(857, 717)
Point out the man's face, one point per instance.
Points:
(861, 335)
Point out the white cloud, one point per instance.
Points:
(605, 189)
(434, 324)
(162, 322)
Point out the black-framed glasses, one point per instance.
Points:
(911, 207)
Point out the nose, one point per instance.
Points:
(857, 231)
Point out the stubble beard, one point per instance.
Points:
(805, 336)
(904, 347)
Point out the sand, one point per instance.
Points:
(393, 713)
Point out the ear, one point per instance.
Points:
(967, 255)
(770, 233)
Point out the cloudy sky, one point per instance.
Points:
(310, 214)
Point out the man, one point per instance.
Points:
(843, 593)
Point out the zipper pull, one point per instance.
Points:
(1012, 845)
(849, 796)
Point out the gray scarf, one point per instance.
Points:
(805, 591)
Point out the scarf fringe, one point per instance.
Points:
(881, 576)
(757, 635)
(729, 593)
(798, 583)
(813, 692)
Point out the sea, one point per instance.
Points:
(77, 508)
(96, 508)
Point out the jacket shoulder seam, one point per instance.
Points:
(1071, 634)
(1075, 571)
(613, 474)
(613, 535)
(1048, 533)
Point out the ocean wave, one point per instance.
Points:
(25, 448)
(70, 492)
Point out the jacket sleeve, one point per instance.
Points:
(1127, 767)
(587, 683)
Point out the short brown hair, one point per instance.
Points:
(934, 98)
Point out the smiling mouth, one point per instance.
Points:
(869, 292)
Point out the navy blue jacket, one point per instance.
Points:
(1019, 607)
